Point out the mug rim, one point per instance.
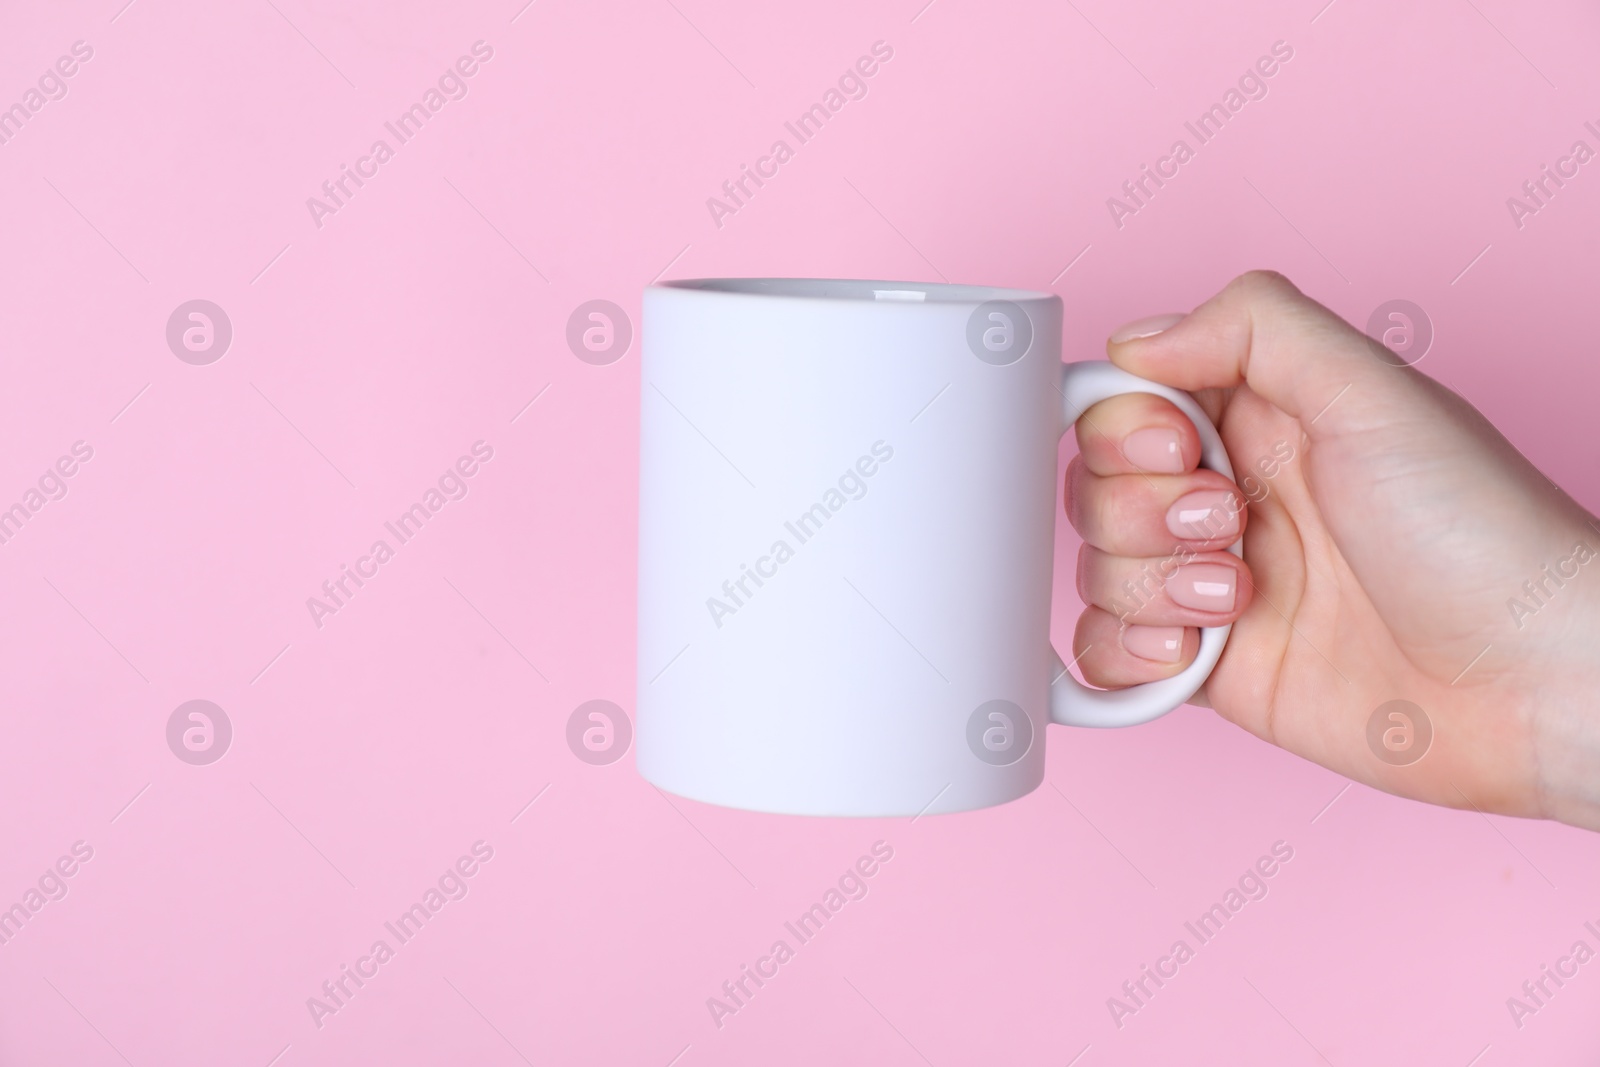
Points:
(862, 290)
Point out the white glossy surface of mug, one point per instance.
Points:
(848, 497)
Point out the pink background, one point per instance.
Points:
(371, 352)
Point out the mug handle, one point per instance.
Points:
(1071, 702)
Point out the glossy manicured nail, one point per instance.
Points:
(1140, 328)
(1155, 450)
(1202, 586)
(1164, 644)
(1205, 515)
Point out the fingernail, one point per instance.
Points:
(1202, 586)
(1155, 450)
(1205, 515)
(1163, 644)
(1149, 327)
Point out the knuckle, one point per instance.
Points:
(1265, 287)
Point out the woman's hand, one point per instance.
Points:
(1390, 535)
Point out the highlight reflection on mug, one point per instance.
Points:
(599, 732)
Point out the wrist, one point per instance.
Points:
(1564, 695)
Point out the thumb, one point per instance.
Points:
(1262, 332)
(1436, 513)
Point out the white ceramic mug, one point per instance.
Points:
(847, 504)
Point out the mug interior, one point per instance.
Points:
(851, 289)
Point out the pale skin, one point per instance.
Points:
(1379, 558)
